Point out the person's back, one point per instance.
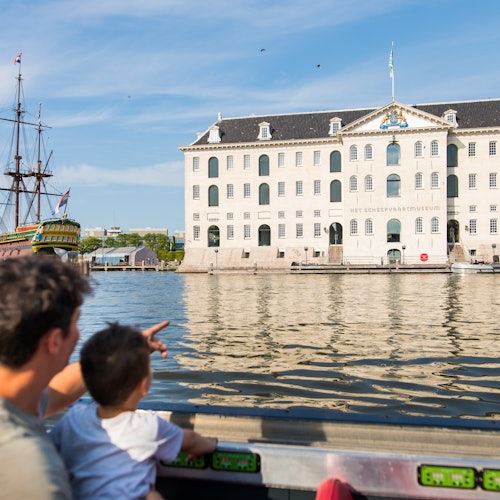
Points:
(109, 448)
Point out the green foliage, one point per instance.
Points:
(88, 245)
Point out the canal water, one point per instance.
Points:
(415, 345)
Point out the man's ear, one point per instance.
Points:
(53, 339)
(144, 385)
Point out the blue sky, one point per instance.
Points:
(124, 83)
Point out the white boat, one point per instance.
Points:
(466, 267)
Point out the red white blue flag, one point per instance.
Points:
(63, 201)
(17, 59)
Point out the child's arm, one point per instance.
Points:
(196, 444)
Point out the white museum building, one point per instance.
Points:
(412, 184)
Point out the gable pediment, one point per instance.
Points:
(395, 117)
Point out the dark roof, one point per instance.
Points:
(470, 114)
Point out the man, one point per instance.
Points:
(40, 300)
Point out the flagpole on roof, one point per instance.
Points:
(391, 68)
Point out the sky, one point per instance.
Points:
(124, 83)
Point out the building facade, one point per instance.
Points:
(415, 184)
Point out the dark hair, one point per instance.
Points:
(114, 361)
(37, 293)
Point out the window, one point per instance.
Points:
(213, 196)
(196, 216)
(393, 231)
(393, 186)
(434, 148)
(353, 153)
(196, 164)
(214, 135)
(419, 225)
(246, 162)
(368, 226)
(229, 162)
(335, 161)
(317, 213)
(213, 167)
(434, 225)
(264, 165)
(473, 226)
(353, 227)
(299, 214)
(419, 150)
(264, 194)
(493, 180)
(472, 208)
(246, 190)
(196, 232)
(368, 152)
(281, 188)
(230, 232)
(281, 160)
(230, 190)
(281, 230)
(419, 180)
(317, 187)
(335, 191)
(298, 188)
(196, 192)
(317, 158)
(472, 181)
(369, 183)
(472, 149)
(393, 154)
(434, 180)
(451, 155)
(493, 226)
(493, 148)
(246, 215)
(299, 230)
(281, 214)
(298, 158)
(493, 208)
(335, 124)
(353, 183)
(452, 186)
(317, 230)
(246, 231)
(230, 216)
(264, 131)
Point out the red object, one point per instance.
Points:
(423, 257)
(333, 489)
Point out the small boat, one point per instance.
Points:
(465, 268)
(23, 231)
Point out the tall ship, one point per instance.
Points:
(28, 222)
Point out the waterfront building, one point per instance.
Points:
(414, 184)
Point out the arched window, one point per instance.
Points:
(452, 186)
(353, 153)
(451, 155)
(264, 165)
(335, 161)
(353, 183)
(419, 225)
(393, 231)
(213, 196)
(335, 191)
(368, 226)
(264, 236)
(354, 227)
(264, 194)
(435, 225)
(213, 167)
(419, 149)
(213, 236)
(369, 183)
(419, 180)
(393, 154)
(394, 255)
(368, 152)
(434, 180)
(393, 186)
(434, 148)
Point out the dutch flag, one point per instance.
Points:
(63, 201)
(17, 59)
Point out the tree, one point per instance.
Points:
(88, 245)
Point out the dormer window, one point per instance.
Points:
(214, 135)
(335, 126)
(264, 132)
(451, 116)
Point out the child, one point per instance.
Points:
(109, 449)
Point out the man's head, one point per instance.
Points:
(37, 294)
(114, 362)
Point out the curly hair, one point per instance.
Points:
(37, 293)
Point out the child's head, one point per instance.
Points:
(114, 362)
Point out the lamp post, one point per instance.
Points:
(216, 253)
(306, 249)
(404, 248)
(493, 246)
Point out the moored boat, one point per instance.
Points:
(465, 267)
(25, 231)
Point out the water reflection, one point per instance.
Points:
(378, 344)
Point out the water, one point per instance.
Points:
(384, 345)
